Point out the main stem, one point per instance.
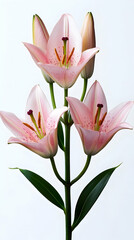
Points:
(67, 173)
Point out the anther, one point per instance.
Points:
(57, 55)
(70, 55)
(63, 59)
(39, 120)
(102, 120)
(27, 125)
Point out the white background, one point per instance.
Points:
(24, 213)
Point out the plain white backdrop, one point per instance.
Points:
(24, 213)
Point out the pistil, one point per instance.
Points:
(39, 134)
(97, 117)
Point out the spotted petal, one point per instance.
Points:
(66, 77)
(16, 126)
(65, 28)
(46, 147)
(79, 112)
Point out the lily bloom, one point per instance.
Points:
(96, 127)
(88, 41)
(60, 56)
(38, 132)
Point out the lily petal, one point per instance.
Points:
(46, 147)
(94, 141)
(16, 126)
(65, 28)
(80, 112)
(66, 77)
(96, 96)
(53, 119)
(117, 116)
(37, 54)
(40, 33)
(37, 102)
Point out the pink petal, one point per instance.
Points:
(40, 34)
(53, 119)
(94, 141)
(46, 147)
(37, 102)
(96, 96)
(66, 77)
(117, 116)
(16, 126)
(65, 28)
(37, 54)
(79, 112)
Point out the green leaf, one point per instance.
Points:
(60, 136)
(44, 187)
(90, 194)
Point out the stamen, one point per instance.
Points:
(27, 125)
(63, 59)
(70, 55)
(102, 120)
(39, 120)
(97, 121)
(57, 55)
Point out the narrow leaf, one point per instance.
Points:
(44, 187)
(60, 136)
(90, 194)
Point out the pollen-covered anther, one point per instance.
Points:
(63, 59)
(69, 58)
(102, 120)
(57, 55)
(27, 125)
(39, 120)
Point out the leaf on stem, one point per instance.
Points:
(44, 187)
(90, 194)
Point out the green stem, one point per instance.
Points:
(84, 89)
(56, 172)
(83, 171)
(67, 172)
(52, 95)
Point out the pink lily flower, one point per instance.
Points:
(60, 56)
(38, 132)
(96, 127)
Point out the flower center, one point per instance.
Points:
(98, 122)
(65, 61)
(38, 127)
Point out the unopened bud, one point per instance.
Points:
(88, 41)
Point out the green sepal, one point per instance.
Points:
(44, 187)
(90, 194)
(61, 136)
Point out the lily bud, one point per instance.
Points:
(88, 41)
(40, 39)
